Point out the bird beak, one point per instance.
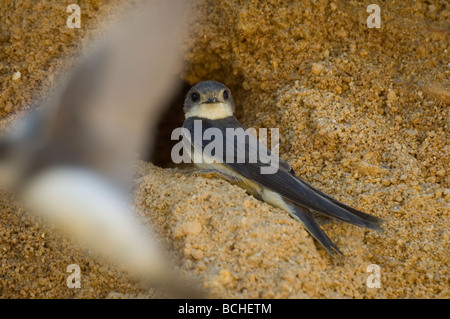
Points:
(212, 100)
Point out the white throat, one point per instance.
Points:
(212, 111)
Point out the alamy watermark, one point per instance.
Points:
(74, 20)
(374, 19)
(74, 280)
(374, 279)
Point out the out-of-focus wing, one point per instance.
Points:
(76, 152)
(102, 116)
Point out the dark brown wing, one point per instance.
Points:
(285, 182)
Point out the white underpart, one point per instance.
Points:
(95, 213)
(211, 111)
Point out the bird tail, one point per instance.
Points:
(352, 215)
(309, 221)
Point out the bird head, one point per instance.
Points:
(209, 99)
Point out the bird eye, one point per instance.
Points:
(195, 97)
(225, 95)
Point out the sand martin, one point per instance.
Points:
(209, 104)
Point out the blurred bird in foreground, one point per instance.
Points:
(71, 159)
(209, 105)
